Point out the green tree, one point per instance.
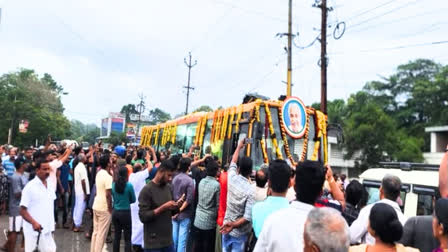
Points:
(158, 116)
(83, 132)
(117, 138)
(24, 96)
(375, 135)
(336, 110)
(128, 110)
(203, 108)
(415, 96)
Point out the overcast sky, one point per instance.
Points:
(104, 53)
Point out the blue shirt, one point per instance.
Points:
(9, 167)
(70, 178)
(123, 201)
(65, 172)
(263, 209)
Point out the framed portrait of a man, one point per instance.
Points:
(294, 117)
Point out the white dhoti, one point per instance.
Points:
(138, 182)
(137, 226)
(46, 242)
(78, 212)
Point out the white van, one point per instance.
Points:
(419, 183)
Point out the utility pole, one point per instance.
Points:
(141, 109)
(289, 76)
(188, 87)
(323, 58)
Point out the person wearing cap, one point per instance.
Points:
(17, 183)
(440, 224)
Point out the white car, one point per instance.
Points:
(419, 183)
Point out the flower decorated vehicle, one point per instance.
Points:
(292, 133)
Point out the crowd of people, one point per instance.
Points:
(162, 202)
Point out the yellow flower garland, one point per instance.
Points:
(202, 131)
(224, 124)
(156, 140)
(272, 132)
(232, 114)
(240, 111)
(284, 138)
(305, 140)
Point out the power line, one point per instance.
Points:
(397, 20)
(396, 47)
(205, 36)
(369, 10)
(251, 11)
(383, 14)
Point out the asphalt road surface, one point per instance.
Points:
(66, 240)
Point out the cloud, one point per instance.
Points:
(105, 53)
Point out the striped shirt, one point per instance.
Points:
(240, 199)
(208, 203)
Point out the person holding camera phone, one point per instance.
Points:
(156, 208)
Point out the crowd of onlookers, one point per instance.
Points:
(160, 201)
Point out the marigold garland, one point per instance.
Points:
(305, 140)
(272, 132)
(285, 139)
(196, 134)
(224, 124)
(255, 114)
(156, 140)
(229, 131)
(202, 131)
(238, 118)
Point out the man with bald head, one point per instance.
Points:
(295, 118)
(326, 231)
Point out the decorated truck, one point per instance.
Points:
(276, 129)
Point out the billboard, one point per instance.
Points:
(117, 125)
(131, 128)
(23, 126)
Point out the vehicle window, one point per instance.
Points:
(425, 198)
(424, 204)
(207, 135)
(374, 194)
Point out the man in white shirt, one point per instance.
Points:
(82, 190)
(37, 210)
(138, 181)
(283, 229)
(55, 163)
(389, 192)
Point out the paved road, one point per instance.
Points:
(66, 240)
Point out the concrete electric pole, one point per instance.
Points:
(290, 36)
(323, 58)
(141, 109)
(188, 87)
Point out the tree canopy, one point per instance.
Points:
(128, 110)
(203, 108)
(385, 121)
(158, 116)
(83, 132)
(25, 96)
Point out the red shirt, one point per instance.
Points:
(222, 198)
